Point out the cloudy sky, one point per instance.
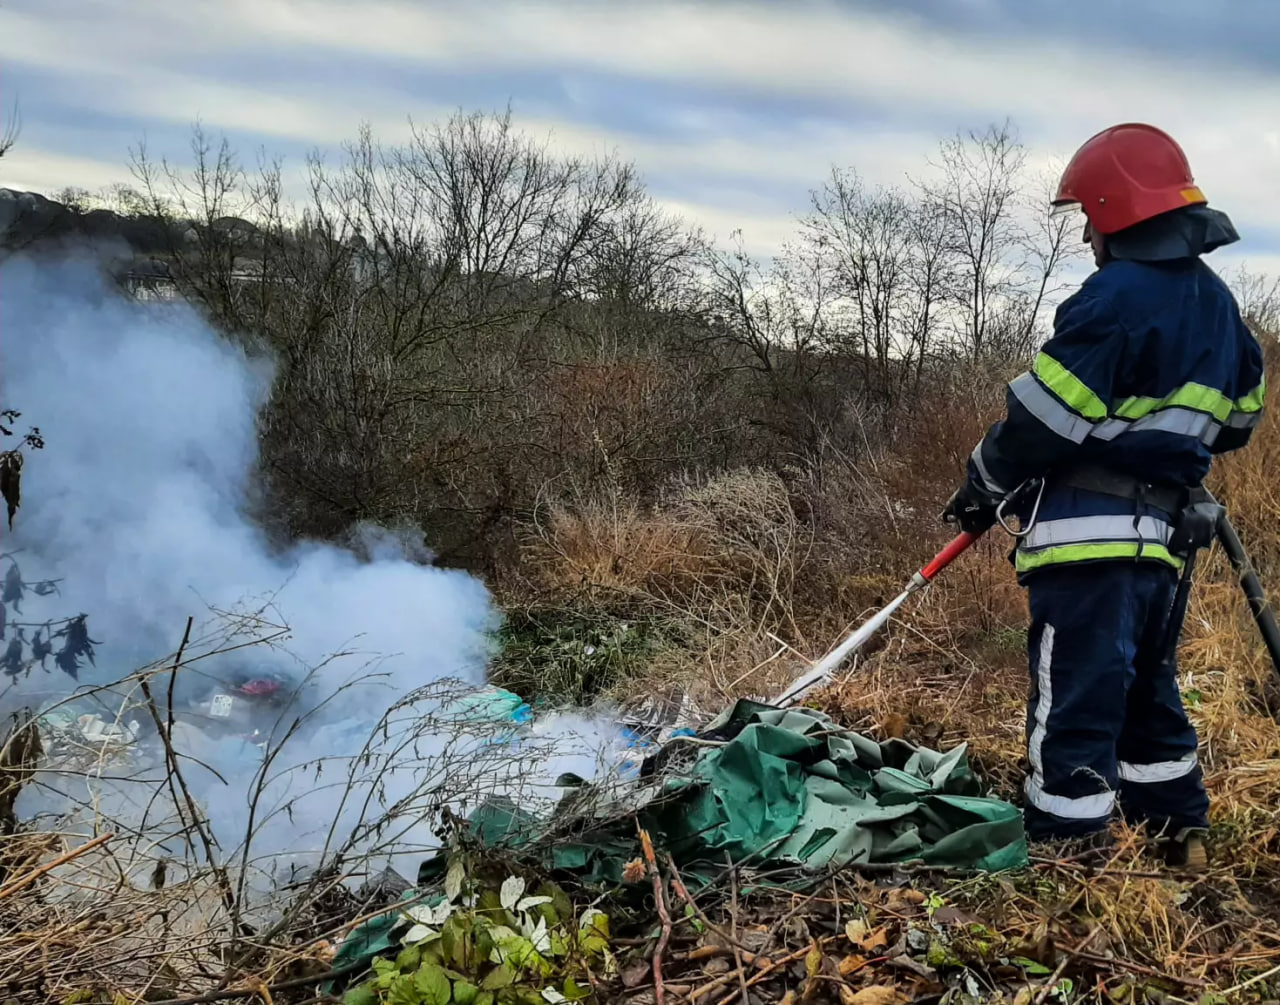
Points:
(731, 110)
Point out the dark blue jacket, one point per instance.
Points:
(1150, 372)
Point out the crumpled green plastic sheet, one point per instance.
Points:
(793, 787)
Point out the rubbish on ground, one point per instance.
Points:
(764, 786)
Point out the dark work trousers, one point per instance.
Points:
(1103, 720)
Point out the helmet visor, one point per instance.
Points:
(1059, 210)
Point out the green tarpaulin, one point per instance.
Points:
(767, 787)
(791, 786)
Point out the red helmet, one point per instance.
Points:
(1127, 174)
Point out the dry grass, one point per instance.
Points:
(952, 667)
(89, 931)
(760, 573)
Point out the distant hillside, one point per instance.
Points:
(138, 247)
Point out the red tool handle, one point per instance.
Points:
(948, 555)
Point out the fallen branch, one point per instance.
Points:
(767, 971)
(733, 927)
(25, 881)
(1060, 969)
(1252, 981)
(682, 891)
(271, 989)
(661, 902)
(1138, 968)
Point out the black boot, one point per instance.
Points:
(1187, 852)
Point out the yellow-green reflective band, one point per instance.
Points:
(1196, 396)
(1070, 388)
(1252, 402)
(1067, 553)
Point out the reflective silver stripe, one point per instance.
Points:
(991, 484)
(1082, 808)
(1044, 703)
(1184, 421)
(1244, 420)
(1161, 771)
(1109, 429)
(1093, 529)
(1049, 410)
(1093, 807)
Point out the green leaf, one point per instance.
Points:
(363, 994)
(465, 993)
(573, 991)
(453, 879)
(593, 933)
(483, 942)
(386, 972)
(449, 941)
(694, 920)
(498, 978)
(559, 900)
(1031, 966)
(559, 946)
(516, 950)
(594, 918)
(409, 959)
(484, 998)
(433, 985)
(404, 991)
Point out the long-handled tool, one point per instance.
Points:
(1257, 597)
(919, 581)
(1203, 521)
(859, 637)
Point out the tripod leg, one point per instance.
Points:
(1178, 613)
(1252, 587)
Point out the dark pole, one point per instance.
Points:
(1178, 613)
(1249, 582)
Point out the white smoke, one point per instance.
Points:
(138, 506)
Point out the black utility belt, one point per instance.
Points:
(1164, 496)
(1195, 512)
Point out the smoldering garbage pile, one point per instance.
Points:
(310, 701)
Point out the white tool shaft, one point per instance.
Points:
(837, 655)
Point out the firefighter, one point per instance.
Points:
(1149, 373)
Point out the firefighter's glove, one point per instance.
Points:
(971, 509)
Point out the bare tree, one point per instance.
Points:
(784, 326)
(893, 275)
(424, 306)
(1006, 249)
(205, 213)
(1259, 298)
(976, 191)
(864, 238)
(931, 280)
(9, 131)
